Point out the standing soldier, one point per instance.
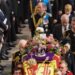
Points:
(6, 8)
(17, 7)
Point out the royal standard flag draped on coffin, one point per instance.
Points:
(43, 68)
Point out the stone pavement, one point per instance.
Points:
(7, 63)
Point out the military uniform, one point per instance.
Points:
(46, 23)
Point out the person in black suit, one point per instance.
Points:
(60, 29)
(58, 10)
(12, 21)
(27, 7)
(18, 10)
(72, 2)
(71, 34)
(18, 13)
(57, 7)
(68, 11)
(15, 14)
(68, 56)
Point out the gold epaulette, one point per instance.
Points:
(16, 59)
(39, 22)
(13, 56)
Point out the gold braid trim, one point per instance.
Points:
(40, 21)
(16, 59)
(33, 17)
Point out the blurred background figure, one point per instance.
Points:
(60, 29)
(18, 71)
(6, 9)
(57, 72)
(68, 56)
(68, 11)
(71, 34)
(64, 68)
(58, 10)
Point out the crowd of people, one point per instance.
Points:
(49, 33)
(61, 27)
(52, 21)
(11, 20)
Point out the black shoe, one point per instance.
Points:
(22, 22)
(1, 68)
(22, 26)
(7, 52)
(11, 45)
(18, 33)
(3, 57)
(8, 48)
